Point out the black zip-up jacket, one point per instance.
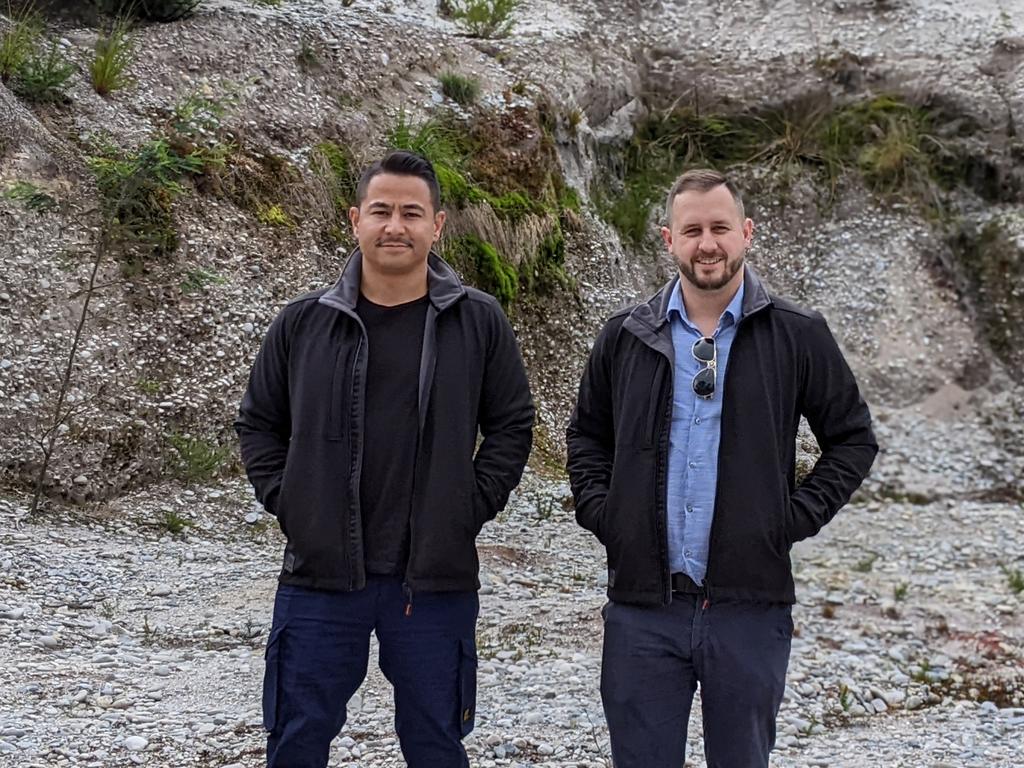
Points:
(300, 426)
(783, 362)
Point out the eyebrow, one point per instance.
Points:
(389, 206)
(714, 223)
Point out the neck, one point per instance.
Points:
(388, 290)
(705, 307)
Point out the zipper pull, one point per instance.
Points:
(705, 604)
(408, 599)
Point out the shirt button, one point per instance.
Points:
(697, 420)
(693, 465)
(687, 552)
(689, 507)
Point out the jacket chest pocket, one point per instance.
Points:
(344, 389)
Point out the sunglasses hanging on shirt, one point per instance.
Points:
(704, 352)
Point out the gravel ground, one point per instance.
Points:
(122, 643)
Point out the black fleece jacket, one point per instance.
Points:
(300, 426)
(784, 363)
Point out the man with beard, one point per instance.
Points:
(359, 432)
(682, 462)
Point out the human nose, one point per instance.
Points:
(707, 242)
(394, 222)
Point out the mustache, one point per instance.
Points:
(393, 241)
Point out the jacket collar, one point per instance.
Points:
(649, 320)
(443, 285)
(654, 312)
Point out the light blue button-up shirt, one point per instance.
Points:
(694, 439)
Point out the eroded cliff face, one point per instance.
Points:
(920, 277)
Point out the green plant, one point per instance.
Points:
(341, 172)
(198, 280)
(31, 196)
(1014, 579)
(114, 53)
(137, 189)
(19, 40)
(899, 592)
(461, 89)
(174, 523)
(197, 460)
(153, 10)
(865, 564)
(845, 697)
(496, 276)
(483, 18)
(42, 76)
(275, 216)
(307, 57)
(149, 386)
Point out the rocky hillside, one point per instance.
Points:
(154, 231)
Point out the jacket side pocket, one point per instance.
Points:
(272, 658)
(467, 686)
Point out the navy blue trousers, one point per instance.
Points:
(317, 655)
(655, 657)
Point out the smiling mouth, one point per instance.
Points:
(710, 261)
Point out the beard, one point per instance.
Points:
(731, 266)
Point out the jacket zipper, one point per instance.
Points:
(715, 518)
(661, 475)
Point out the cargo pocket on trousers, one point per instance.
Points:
(272, 658)
(467, 686)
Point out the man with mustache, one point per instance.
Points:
(359, 432)
(682, 463)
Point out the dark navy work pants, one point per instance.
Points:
(653, 659)
(317, 655)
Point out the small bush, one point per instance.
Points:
(174, 523)
(42, 76)
(19, 41)
(137, 190)
(197, 460)
(152, 10)
(1014, 579)
(483, 18)
(114, 54)
(459, 88)
(31, 196)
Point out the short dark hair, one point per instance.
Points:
(402, 163)
(702, 180)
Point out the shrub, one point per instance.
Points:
(197, 460)
(31, 196)
(153, 10)
(114, 53)
(42, 76)
(459, 88)
(137, 190)
(19, 41)
(483, 18)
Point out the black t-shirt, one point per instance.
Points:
(391, 430)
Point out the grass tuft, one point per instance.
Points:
(461, 89)
(42, 76)
(114, 54)
(20, 40)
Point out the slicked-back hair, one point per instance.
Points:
(401, 163)
(702, 180)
